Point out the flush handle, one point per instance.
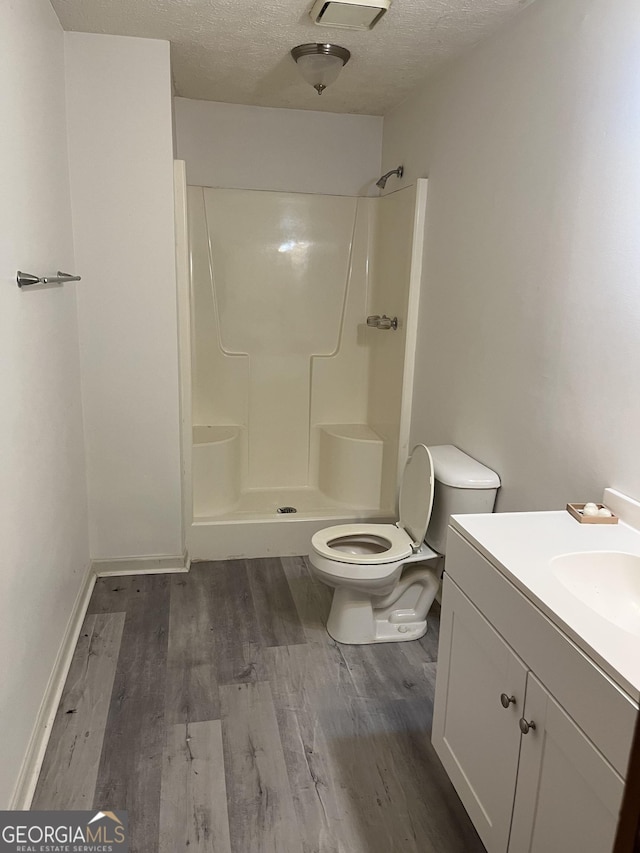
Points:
(505, 700)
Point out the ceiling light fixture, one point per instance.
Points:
(320, 64)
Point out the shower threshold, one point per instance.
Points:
(255, 528)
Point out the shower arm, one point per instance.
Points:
(382, 182)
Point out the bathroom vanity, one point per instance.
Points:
(539, 677)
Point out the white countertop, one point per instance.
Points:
(522, 544)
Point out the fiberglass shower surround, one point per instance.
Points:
(296, 402)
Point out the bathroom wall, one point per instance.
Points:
(529, 351)
(120, 151)
(43, 524)
(259, 148)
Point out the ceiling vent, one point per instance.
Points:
(348, 14)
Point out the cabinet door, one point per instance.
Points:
(475, 737)
(568, 796)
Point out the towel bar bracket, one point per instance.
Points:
(25, 279)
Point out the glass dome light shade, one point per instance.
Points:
(320, 64)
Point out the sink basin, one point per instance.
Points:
(606, 581)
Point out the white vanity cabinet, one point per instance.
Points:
(536, 770)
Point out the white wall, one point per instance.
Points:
(259, 148)
(120, 149)
(529, 353)
(43, 523)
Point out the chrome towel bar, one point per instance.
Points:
(25, 279)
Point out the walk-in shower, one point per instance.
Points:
(297, 408)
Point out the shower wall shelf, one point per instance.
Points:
(25, 279)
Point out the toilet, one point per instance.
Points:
(385, 576)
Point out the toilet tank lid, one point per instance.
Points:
(452, 467)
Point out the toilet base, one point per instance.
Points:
(357, 618)
(389, 632)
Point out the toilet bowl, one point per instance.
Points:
(385, 576)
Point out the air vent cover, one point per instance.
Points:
(349, 14)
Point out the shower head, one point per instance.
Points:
(383, 180)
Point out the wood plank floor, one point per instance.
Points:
(214, 707)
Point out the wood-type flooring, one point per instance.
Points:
(214, 708)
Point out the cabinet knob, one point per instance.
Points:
(525, 726)
(507, 700)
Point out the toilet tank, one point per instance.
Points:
(462, 485)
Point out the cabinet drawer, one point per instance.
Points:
(599, 707)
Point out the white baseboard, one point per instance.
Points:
(30, 770)
(140, 565)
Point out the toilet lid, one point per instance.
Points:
(416, 494)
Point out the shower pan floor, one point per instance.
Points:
(261, 503)
(255, 528)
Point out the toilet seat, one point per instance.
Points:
(398, 543)
(379, 544)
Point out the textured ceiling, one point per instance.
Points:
(238, 50)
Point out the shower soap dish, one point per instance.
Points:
(576, 510)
